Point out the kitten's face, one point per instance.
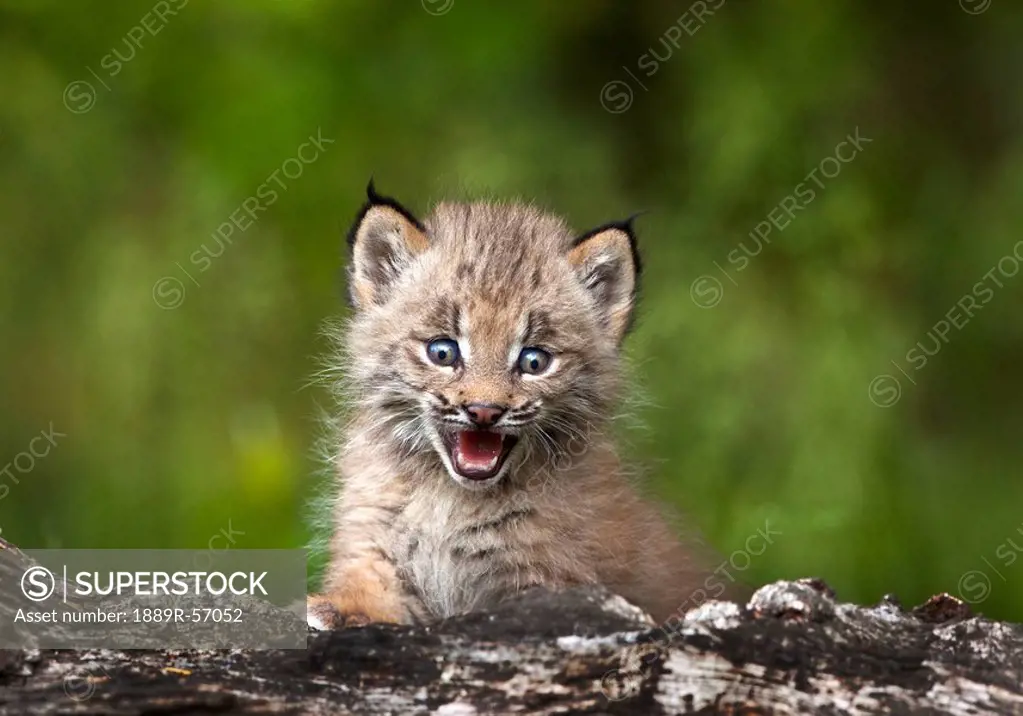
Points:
(483, 340)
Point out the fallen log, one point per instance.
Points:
(792, 648)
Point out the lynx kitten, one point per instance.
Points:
(482, 369)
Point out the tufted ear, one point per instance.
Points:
(607, 263)
(384, 241)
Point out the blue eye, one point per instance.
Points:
(443, 351)
(534, 361)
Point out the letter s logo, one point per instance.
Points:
(38, 583)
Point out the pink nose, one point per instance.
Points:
(484, 413)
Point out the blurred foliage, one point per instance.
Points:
(180, 422)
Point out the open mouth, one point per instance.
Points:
(478, 454)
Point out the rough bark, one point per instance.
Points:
(791, 649)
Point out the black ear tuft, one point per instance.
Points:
(626, 226)
(606, 262)
(375, 199)
(371, 193)
(383, 242)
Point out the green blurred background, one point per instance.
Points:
(186, 407)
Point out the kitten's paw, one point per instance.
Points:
(323, 615)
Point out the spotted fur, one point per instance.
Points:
(415, 542)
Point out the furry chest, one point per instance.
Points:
(451, 572)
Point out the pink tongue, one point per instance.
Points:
(479, 448)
